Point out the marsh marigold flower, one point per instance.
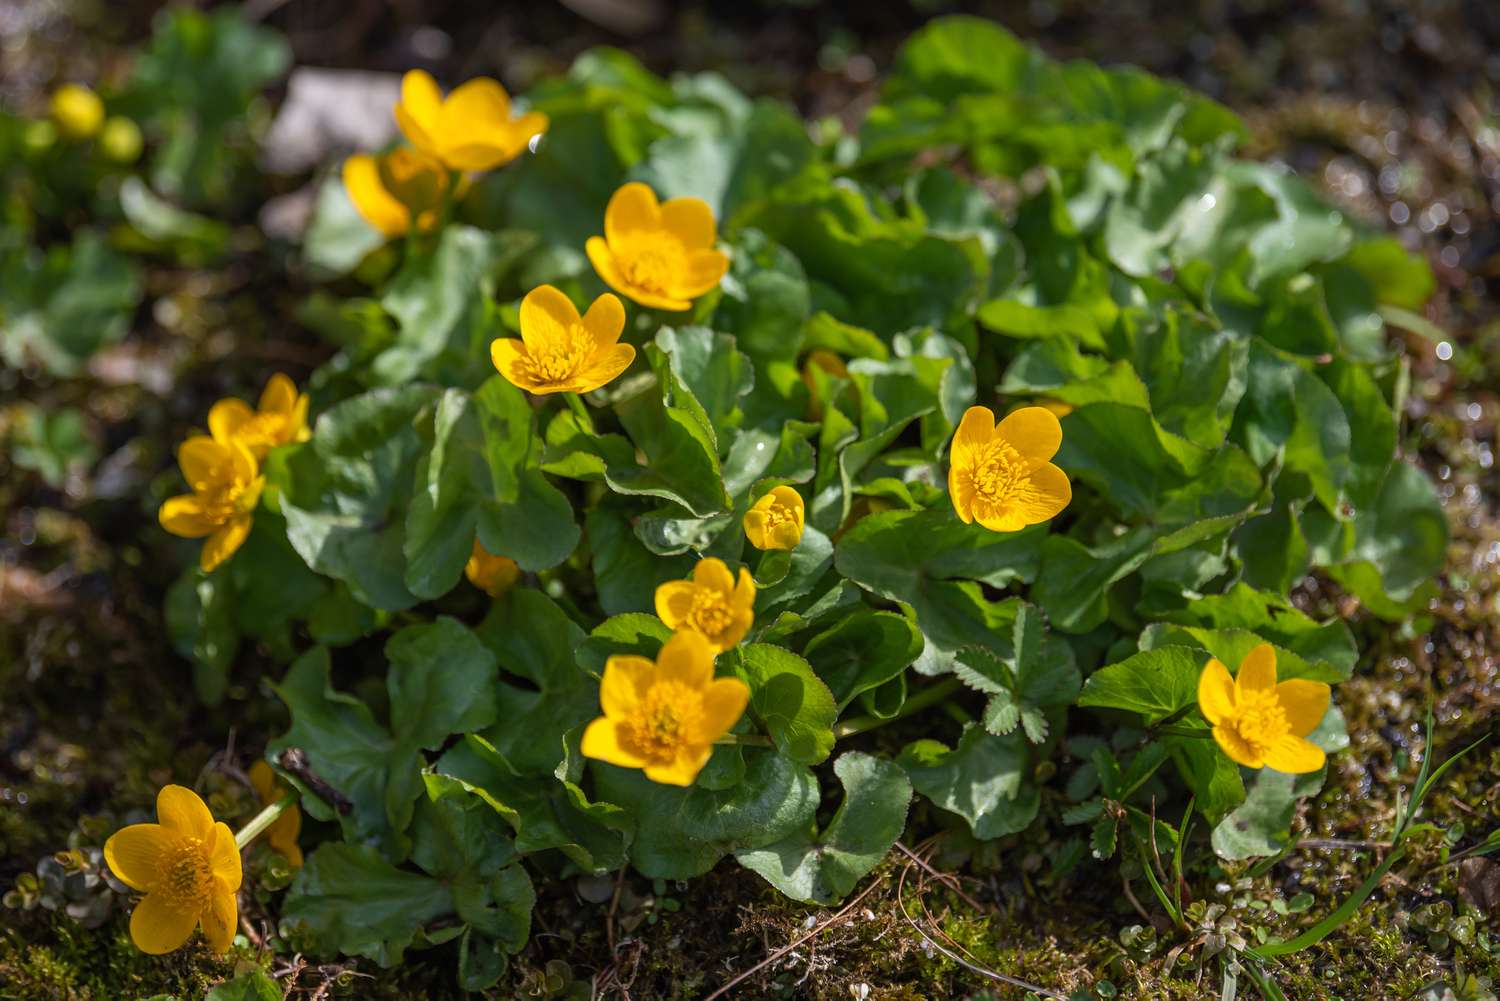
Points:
(281, 418)
(471, 129)
(77, 111)
(999, 475)
(1258, 722)
(657, 254)
(226, 484)
(397, 190)
(561, 352)
(494, 575)
(664, 716)
(283, 832)
(712, 604)
(775, 521)
(189, 868)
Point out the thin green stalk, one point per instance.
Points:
(580, 410)
(1331, 923)
(262, 820)
(745, 740)
(926, 697)
(1183, 731)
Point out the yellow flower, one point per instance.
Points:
(1058, 407)
(1258, 722)
(280, 420)
(282, 834)
(77, 111)
(120, 140)
(226, 484)
(393, 189)
(1000, 476)
(188, 867)
(710, 604)
(471, 130)
(664, 717)
(658, 255)
(558, 351)
(494, 575)
(775, 521)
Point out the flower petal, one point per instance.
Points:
(705, 268)
(1258, 670)
(1050, 493)
(226, 417)
(225, 858)
(605, 367)
(184, 517)
(975, 431)
(262, 780)
(1239, 751)
(376, 206)
(691, 221)
(156, 927)
(961, 492)
(682, 770)
(546, 317)
(478, 107)
(601, 741)
(712, 573)
(1295, 755)
(625, 682)
(724, 702)
(1033, 431)
(279, 396)
(220, 918)
(1216, 692)
(1305, 703)
(605, 320)
(687, 658)
(512, 360)
(221, 545)
(632, 209)
(134, 853)
(243, 461)
(417, 113)
(744, 591)
(674, 600)
(181, 811)
(199, 456)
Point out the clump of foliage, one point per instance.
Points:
(1004, 231)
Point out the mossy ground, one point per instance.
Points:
(97, 711)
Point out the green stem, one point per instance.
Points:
(926, 697)
(580, 410)
(262, 820)
(745, 740)
(1183, 731)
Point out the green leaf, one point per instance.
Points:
(544, 813)
(454, 835)
(708, 366)
(440, 680)
(445, 318)
(194, 239)
(348, 899)
(766, 301)
(1153, 683)
(986, 780)
(862, 652)
(253, 985)
(823, 869)
(1262, 824)
(796, 708)
(626, 573)
(682, 462)
(1405, 534)
(62, 307)
(337, 238)
(1075, 580)
(682, 833)
(53, 443)
(345, 486)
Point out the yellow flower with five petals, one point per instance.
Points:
(561, 352)
(77, 111)
(189, 868)
(1259, 722)
(396, 191)
(494, 575)
(471, 129)
(283, 832)
(664, 716)
(657, 254)
(775, 521)
(999, 475)
(280, 419)
(226, 484)
(712, 604)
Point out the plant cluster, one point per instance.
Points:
(1027, 402)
